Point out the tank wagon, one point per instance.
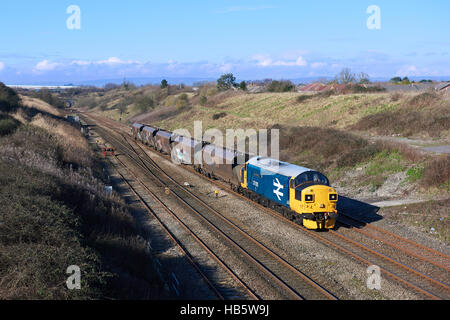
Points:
(300, 194)
(185, 150)
(136, 130)
(222, 164)
(163, 140)
(148, 135)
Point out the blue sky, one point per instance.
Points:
(252, 39)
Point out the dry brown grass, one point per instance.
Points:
(321, 148)
(54, 215)
(423, 216)
(75, 148)
(21, 116)
(215, 100)
(426, 114)
(40, 105)
(437, 172)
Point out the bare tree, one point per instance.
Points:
(346, 76)
(363, 78)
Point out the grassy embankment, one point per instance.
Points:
(55, 213)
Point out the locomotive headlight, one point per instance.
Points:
(333, 197)
(309, 198)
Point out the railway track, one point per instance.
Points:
(282, 276)
(209, 275)
(425, 285)
(407, 246)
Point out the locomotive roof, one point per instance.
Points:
(276, 166)
(137, 125)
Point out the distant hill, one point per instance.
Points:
(144, 81)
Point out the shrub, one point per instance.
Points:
(423, 100)
(280, 86)
(7, 125)
(203, 100)
(437, 172)
(396, 79)
(304, 97)
(55, 216)
(50, 98)
(396, 96)
(164, 84)
(182, 101)
(219, 115)
(243, 86)
(325, 94)
(423, 114)
(89, 102)
(144, 103)
(321, 148)
(358, 88)
(226, 82)
(9, 100)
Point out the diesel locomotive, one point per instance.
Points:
(300, 194)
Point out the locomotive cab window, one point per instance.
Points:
(311, 178)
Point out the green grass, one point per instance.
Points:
(380, 108)
(385, 162)
(415, 173)
(382, 165)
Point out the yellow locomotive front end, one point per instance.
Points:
(309, 195)
(313, 198)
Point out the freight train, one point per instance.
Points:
(300, 194)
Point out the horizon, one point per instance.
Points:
(140, 82)
(93, 42)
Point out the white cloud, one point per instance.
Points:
(265, 61)
(45, 65)
(300, 62)
(262, 60)
(81, 62)
(110, 61)
(2, 66)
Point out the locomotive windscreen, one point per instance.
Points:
(311, 177)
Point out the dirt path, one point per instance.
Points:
(441, 146)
